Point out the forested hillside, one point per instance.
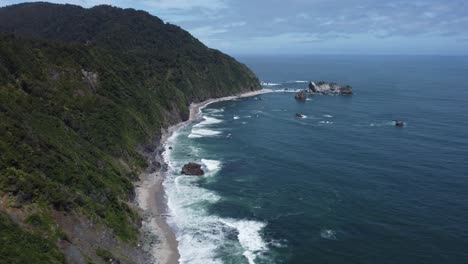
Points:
(82, 93)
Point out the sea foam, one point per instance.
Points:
(208, 121)
(202, 132)
(249, 237)
(328, 234)
(202, 236)
(211, 165)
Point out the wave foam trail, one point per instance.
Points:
(236, 117)
(211, 165)
(328, 234)
(203, 132)
(204, 238)
(214, 110)
(249, 237)
(270, 84)
(208, 121)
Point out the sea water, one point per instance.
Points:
(343, 184)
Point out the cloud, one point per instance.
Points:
(235, 24)
(185, 4)
(303, 15)
(206, 32)
(280, 23)
(278, 20)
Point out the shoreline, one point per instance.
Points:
(159, 236)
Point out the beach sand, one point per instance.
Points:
(151, 197)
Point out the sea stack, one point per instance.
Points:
(329, 88)
(192, 168)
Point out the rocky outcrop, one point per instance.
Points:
(192, 168)
(301, 95)
(300, 116)
(330, 88)
(91, 78)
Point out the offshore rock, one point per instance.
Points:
(399, 123)
(192, 168)
(301, 95)
(330, 88)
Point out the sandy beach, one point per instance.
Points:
(159, 238)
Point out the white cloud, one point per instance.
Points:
(206, 32)
(279, 20)
(235, 24)
(186, 4)
(144, 4)
(303, 15)
(287, 38)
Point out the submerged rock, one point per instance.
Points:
(330, 87)
(399, 123)
(301, 95)
(299, 116)
(192, 168)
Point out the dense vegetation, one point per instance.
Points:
(80, 91)
(20, 246)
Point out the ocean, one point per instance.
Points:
(343, 184)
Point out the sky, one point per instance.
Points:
(313, 26)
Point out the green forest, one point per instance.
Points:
(82, 92)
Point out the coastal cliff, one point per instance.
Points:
(84, 94)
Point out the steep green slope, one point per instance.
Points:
(154, 47)
(19, 246)
(81, 92)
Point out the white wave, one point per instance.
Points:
(300, 81)
(330, 116)
(214, 110)
(244, 123)
(208, 121)
(328, 234)
(211, 165)
(249, 237)
(382, 124)
(308, 99)
(202, 236)
(326, 122)
(203, 132)
(270, 84)
(236, 117)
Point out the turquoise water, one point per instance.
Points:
(342, 185)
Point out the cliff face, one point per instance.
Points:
(80, 91)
